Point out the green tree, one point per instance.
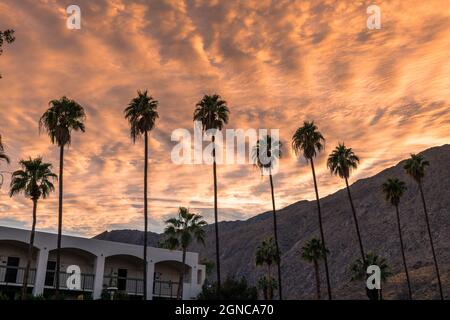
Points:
(63, 116)
(415, 167)
(358, 270)
(314, 251)
(213, 114)
(267, 254)
(141, 114)
(265, 154)
(307, 140)
(180, 232)
(8, 37)
(232, 289)
(393, 189)
(341, 162)
(34, 180)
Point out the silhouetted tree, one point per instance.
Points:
(314, 251)
(267, 254)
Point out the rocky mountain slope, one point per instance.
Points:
(298, 223)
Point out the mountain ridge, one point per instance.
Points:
(297, 223)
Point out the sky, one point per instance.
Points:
(384, 92)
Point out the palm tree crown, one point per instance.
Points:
(141, 114)
(266, 253)
(358, 269)
(212, 111)
(63, 116)
(342, 161)
(308, 139)
(185, 228)
(3, 155)
(266, 152)
(393, 189)
(415, 167)
(314, 250)
(34, 179)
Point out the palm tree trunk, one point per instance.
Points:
(280, 291)
(145, 212)
(269, 273)
(30, 252)
(403, 253)
(355, 219)
(216, 218)
(316, 270)
(181, 282)
(321, 230)
(431, 241)
(60, 213)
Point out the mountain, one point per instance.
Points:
(298, 223)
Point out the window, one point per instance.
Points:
(12, 269)
(50, 274)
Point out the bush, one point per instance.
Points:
(232, 289)
(3, 297)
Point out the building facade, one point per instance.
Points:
(101, 267)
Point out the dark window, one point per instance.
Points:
(50, 274)
(122, 279)
(12, 269)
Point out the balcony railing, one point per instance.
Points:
(166, 289)
(15, 275)
(86, 280)
(131, 286)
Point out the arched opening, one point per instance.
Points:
(13, 262)
(167, 278)
(124, 274)
(70, 257)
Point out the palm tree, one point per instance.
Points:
(358, 270)
(213, 113)
(393, 189)
(314, 251)
(267, 254)
(265, 153)
(141, 114)
(64, 116)
(180, 232)
(309, 141)
(3, 157)
(34, 180)
(415, 167)
(341, 162)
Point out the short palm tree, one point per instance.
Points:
(34, 180)
(213, 113)
(141, 114)
(265, 154)
(63, 116)
(393, 189)
(267, 254)
(358, 270)
(307, 140)
(314, 251)
(415, 167)
(341, 162)
(180, 232)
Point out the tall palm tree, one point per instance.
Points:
(267, 254)
(314, 251)
(265, 153)
(180, 232)
(34, 180)
(415, 167)
(62, 117)
(141, 114)
(358, 270)
(213, 113)
(307, 140)
(393, 189)
(341, 162)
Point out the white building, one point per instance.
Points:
(103, 264)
